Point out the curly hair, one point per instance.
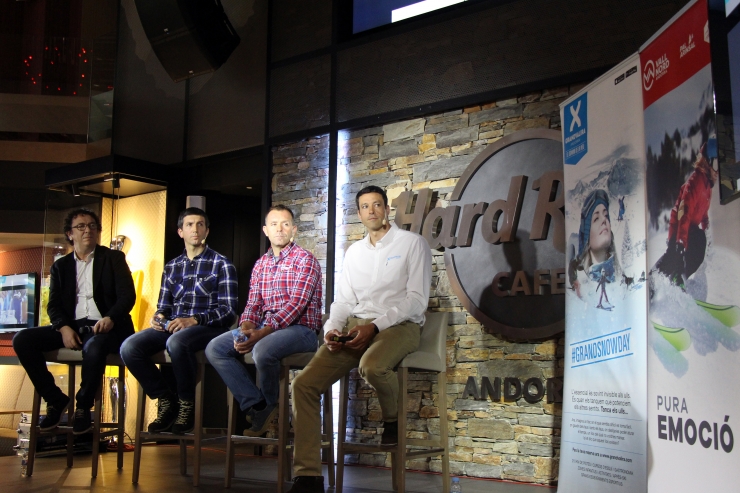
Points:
(71, 217)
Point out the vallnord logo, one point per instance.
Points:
(654, 70)
(503, 234)
(648, 75)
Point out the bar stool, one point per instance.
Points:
(429, 357)
(197, 436)
(296, 361)
(72, 358)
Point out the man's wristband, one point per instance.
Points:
(198, 319)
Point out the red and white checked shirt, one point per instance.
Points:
(285, 290)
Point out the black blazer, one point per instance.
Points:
(113, 290)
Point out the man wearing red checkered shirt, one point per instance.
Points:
(282, 317)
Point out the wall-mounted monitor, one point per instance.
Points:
(18, 301)
(724, 35)
(369, 14)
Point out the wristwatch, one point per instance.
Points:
(377, 331)
(198, 318)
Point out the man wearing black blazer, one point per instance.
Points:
(90, 297)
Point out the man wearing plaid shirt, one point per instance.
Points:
(282, 317)
(197, 302)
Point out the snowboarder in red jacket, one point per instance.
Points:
(687, 240)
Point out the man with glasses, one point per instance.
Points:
(90, 297)
(197, 302)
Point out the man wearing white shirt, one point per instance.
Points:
(382, 295)
(90, 296)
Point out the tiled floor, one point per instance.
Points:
(160, 474)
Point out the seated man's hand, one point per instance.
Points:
(365, 334)
(157, 323)
(181, 323)
(253, 337)
(70, 337)
(333, 346)
(103, 325)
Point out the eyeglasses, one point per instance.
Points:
(82, 226)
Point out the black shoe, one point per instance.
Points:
(185, 421)
(307, 484)
(390, 433)
(166, 414)
(83, 421)
(54, 414)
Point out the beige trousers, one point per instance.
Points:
(375, 364)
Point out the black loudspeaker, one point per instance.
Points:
(190, 37)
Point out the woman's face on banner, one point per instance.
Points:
(600, 237)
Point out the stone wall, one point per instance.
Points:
(506, 440)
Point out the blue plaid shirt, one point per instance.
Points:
(206, 285)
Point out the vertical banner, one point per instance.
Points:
(693, 253)
(604, 424)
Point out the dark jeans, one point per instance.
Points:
(137, 350)
(30, 344)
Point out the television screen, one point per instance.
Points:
(368, 14)
(17, 302)
(724, 37)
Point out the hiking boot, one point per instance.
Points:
(307, 484)
(185, 421)
(261, 421)
(82, 422)
(166, 414)
(53, 414)
(390, 433)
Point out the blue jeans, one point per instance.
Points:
(137, 350)
(267, 354)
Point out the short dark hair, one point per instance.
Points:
(193, 211)
(71, 217)
(280, 207)
(371, 189)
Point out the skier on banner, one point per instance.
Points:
(687, 239)
(621, 209)
(597, 255)
(602, 285)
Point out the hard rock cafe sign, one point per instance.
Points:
(503, 234)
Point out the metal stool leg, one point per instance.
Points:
(443, 431)
(342, 430)
(403, 375)
(233, 407)
(97, 419)
(121, 387)
(34, 436)
(140, 409)
(198, 430)
(329, 432)
(282, 426)
(71, 387)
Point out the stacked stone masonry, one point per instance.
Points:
(504, 440)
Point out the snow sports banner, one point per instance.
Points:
(604, 434)
(693, 245)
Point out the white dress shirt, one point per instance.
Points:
(86, 307)
(387, 283)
